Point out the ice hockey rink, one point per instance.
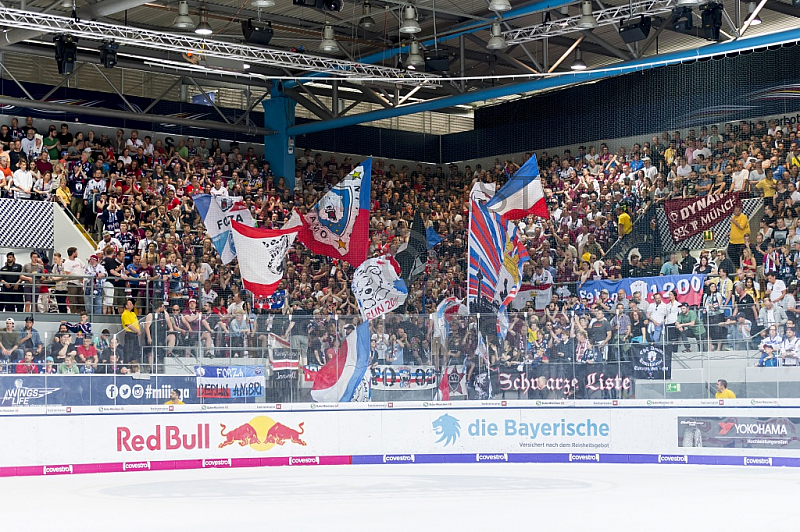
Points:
(585, 497)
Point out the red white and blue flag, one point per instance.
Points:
(522, 195)
(496, 255)
(345, 378)
(217, 214)
(338, 225)
(261, 255)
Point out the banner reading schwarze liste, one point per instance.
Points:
(687, 217)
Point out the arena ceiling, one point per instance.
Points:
(369, 62)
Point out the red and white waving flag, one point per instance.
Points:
(261, 254)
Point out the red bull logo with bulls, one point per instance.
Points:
(261, 433)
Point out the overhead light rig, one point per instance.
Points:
(181, 44)
(603, 17)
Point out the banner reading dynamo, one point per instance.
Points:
(687, 217)
(688, 288)
(230, 382)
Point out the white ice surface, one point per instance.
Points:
(410, 498)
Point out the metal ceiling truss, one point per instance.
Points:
(605, 17)
(99, 31)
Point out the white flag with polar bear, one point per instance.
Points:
(378, 287)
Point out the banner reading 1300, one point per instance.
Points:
(688, 288)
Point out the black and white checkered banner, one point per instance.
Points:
(720, 233)
(26, 224)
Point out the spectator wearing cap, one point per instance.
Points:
(650, 171)
(9, 343)
(106, 241)
(30, 339)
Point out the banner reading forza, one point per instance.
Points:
(739, 432)
(687, 217)
(565, 381)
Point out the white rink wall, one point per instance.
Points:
(55, 440)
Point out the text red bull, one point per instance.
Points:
(172, 439)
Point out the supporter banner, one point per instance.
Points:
(651, 362)
(720, 233)
(739, 432)
(565, 381)
(99, 390)
(687, 217)
(404, 378)
(229, 382)
(218, 213)
(688, 288)
(456, 380)
(378, 288)
(281, 355)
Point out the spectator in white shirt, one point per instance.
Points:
(219, 189)
(23, 181)
(775, 287)
(790, 348)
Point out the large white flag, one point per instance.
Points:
(261, 258)
(378, 287)
(218, 213)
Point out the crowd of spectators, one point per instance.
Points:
(155, 257)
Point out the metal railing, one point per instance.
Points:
(408, 361)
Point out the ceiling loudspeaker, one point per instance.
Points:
(437, 63)
(257, 32)
(635, 30)
(322, 5)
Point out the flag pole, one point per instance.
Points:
(469, 250)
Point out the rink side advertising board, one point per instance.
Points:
(137, 438)
(739, 432)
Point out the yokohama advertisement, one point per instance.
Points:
(739, 432)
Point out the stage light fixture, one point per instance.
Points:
(108, 54)
(183, 21)
(66, 53)
(683, 20)
(262, 4)
(257, 32)
(711, 19)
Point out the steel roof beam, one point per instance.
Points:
(179, 44)
(556, 82)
